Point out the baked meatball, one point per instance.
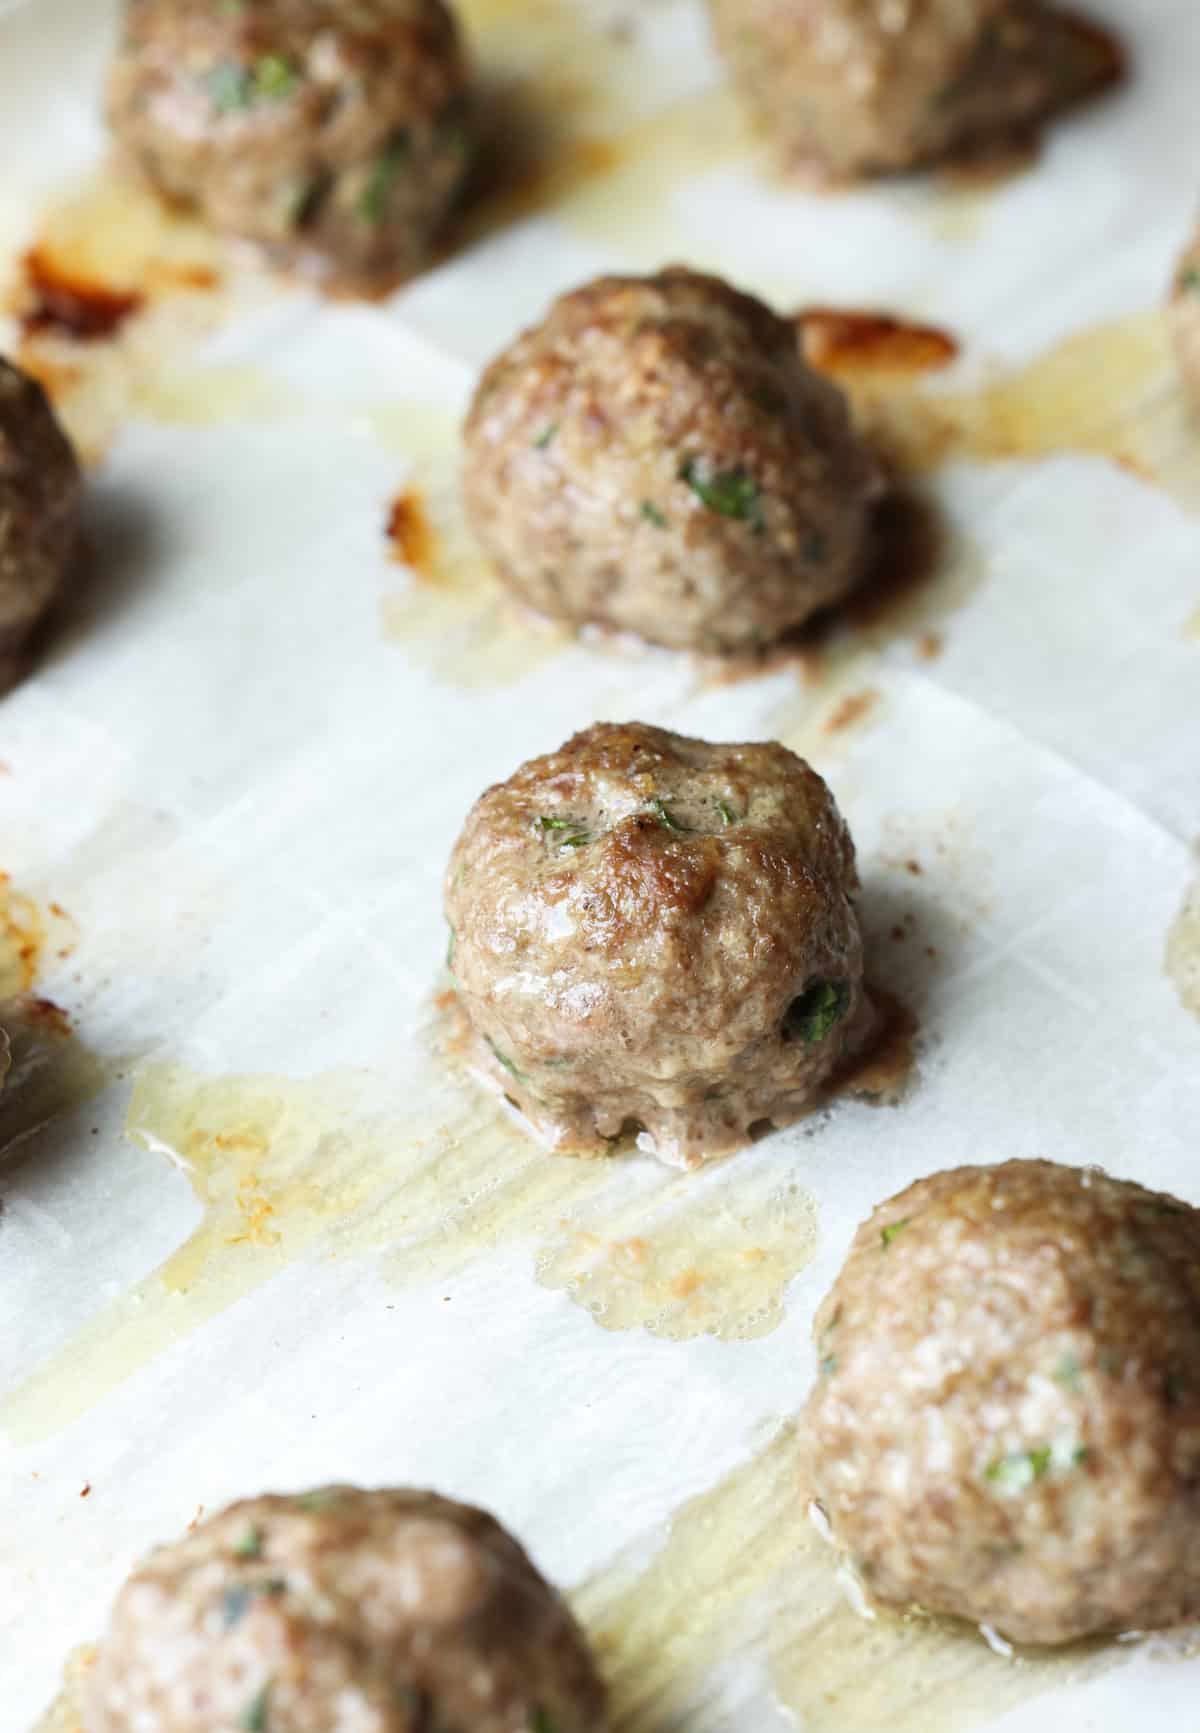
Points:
(650, 931)
(1006, 1421)
(657, 457)
(41, 492)
(343, 1611)
(859, 87)
(1185, 316)
(335, 135)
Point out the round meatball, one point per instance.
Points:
(337, 136)
(41, 492)
(860, 87)
(1185, 316)
(1006, 1421)
(657, 457)
(377, 1612)
(651, 932)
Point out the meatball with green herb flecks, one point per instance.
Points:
(336, 136)
(41, 496)
(651, 932)
(860, 87)
(1005, 1423)
(656, 457)
(343, 1611)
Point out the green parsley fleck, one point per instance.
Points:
(817, 1010)
(545, 436)
(726, 813)
(653, 516)
(664, 815)
(235, 1602)
(541, 1722)
(829, 1365)
(255, 1717)
(274, 78)
(892, 1231)
(382, 179)
(728, 492)
(1067, 1372)
(231, 86)
(503, 1059)
(1190, 279)
(251, 1543)
(1020, 1468)
(323, 1498)
(577, 835)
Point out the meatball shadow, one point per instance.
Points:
(909, 940)
(122, 545)
(526, 161)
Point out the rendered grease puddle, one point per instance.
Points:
(287, 1167)
(1183, 951)
(742, 1574)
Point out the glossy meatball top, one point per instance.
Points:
(654, 857)
(390, 1611)
(653, 929)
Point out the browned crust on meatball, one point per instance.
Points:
(1006, 1421)
(657, 457)
(337, 137)
(649, 930)
(864, 87)
(395, 1610)
(41, 493)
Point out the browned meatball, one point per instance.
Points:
(1185, 315)
(869, 86)
(41, 492)
(656, 456)
(343, 1611)
(337, 136)
(651, 931)
(1006, 1422)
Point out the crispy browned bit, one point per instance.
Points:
(842, 340)
(411, 533)
(853, 707)
(57, 300)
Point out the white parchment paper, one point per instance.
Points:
(243, 791)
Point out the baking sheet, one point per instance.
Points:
(254, 1234)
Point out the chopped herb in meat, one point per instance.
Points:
(385, 171)
(506, 1062)
(231, 86)
(1190, 279)
(541, 1722)
(726, 813)
(567, 832)
(545, 436)
(1066, 1372)
(654, 516)
(236, 1602)
(730, 492)
(450, 943)
(829, 1365)
(1020, 1468)
(256, 1716)
(324, 1498)
(664, 816)
(250, 1545)
(892, 1231)
(817, 1011)
(816, 546)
